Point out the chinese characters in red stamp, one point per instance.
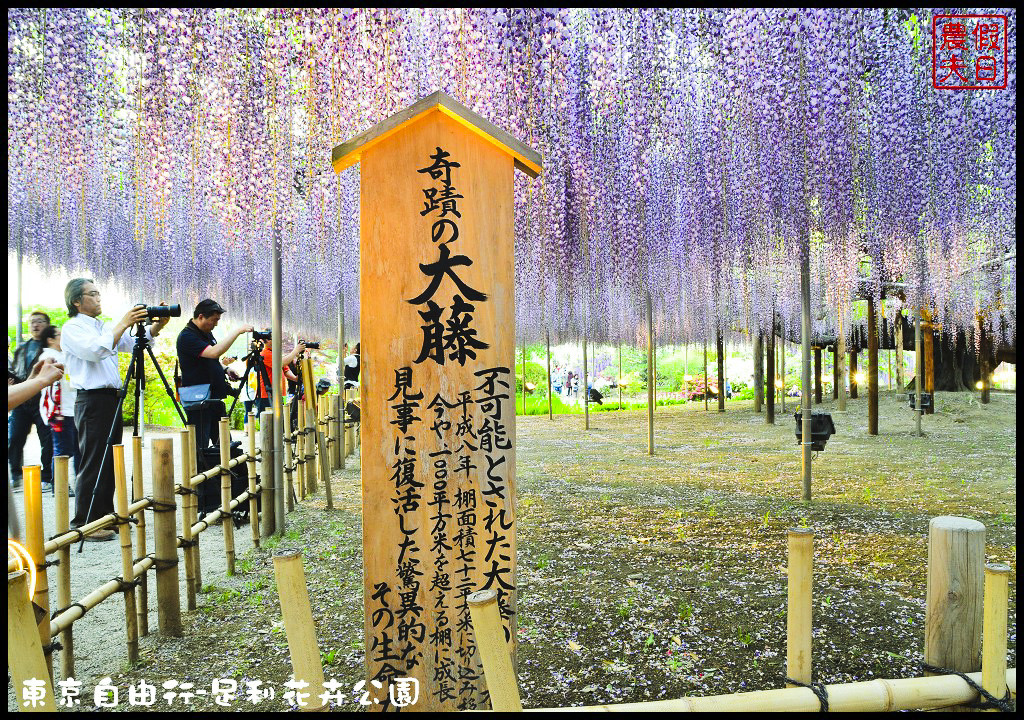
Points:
(969, 52)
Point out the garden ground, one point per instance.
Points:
(647, 577)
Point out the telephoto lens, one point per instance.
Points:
(257, 335)
(312, 345)
(159, 311)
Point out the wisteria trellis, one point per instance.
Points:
(686, 153)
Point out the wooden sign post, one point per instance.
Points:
(437, 395)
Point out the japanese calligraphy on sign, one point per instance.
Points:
(438, 413)
(969, 52)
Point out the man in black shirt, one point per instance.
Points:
(26, 416)
(198, 356)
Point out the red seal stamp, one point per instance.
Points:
(969, 52)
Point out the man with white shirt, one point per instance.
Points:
(90, 349)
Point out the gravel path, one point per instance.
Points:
(99, 637)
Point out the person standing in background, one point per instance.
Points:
(26, 416)
(57, 406)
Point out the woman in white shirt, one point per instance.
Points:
(57, 406)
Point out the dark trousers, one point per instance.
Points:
(65, 442)
(206, 418)
(19, 424)
(94, 414)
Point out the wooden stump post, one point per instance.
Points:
(872, 368)
(268, 493)
(124, 534)
(25, 659)
(34, 541)
(168, 599)
(298, 626)
(138, 492)
(953, 616)
(186, 524)
(494, 652)
(227, 523)
(62, 517)
(798, 608)
(424, 270)
(993, 645)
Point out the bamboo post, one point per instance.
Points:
(547, 342)
(993, 645)
(186, 525)
(298, 626)
(139, 492)
(835, 371)
(524, 378)
(168, 599)
(306, 483)
(854, 385)
(25, 659)
(586, 392)
(650, 377)
(620, 377)
(782, 372)
(336, 430)
(928, 329)
(352, 431)
(705, 376)
(309, 449)
(342, 409)
(817, 375)
(227, 523)
(193, 505)
(489, 632)
(798, 613)
(720, 347)
(254, 511)
(62, 517)
(769, 416)
(919, 376)
(899, 352)
(34, 544)
(953, 615)
(124, 534)
(872, 368)
(758, 372)
(325, 473)
(983, 362)
(289, 480)
(267, 471)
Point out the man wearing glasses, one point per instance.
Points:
(26, 416)
(90, 349)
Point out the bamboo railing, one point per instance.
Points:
(314, 442)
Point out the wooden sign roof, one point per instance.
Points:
(526, 159)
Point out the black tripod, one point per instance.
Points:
(253, 361)
(137, 372)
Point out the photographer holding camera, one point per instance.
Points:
(204, 385)
(263, 397)
(90, 350)
(26, 416)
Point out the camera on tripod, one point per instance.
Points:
(311, 345)
(257, 335)
(161, 311)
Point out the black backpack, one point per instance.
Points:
(208, 492)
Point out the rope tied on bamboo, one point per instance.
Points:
(817, 688)
(165, 563)
(1005, 704)
(54, 645)
(80, 606)
(48, 563)
(75, 530)
(126, 585)
(181, 490)
(183, 543)
(119, 520)
(160, 506)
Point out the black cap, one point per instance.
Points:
(206, 308)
